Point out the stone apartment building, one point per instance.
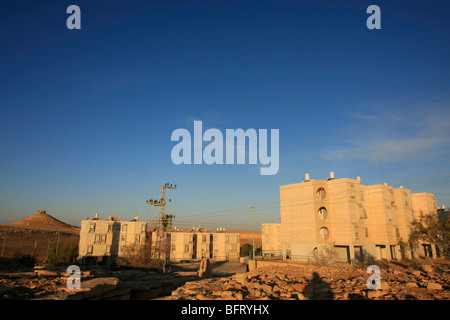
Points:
(346, 219)
(106, 240)
(197, 244)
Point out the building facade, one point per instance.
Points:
(345, 219)
(199, 244)
(106, 240)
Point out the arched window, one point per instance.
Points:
(324, 233)
(321, 194)
(322, 213)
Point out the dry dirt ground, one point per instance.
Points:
(400, 281)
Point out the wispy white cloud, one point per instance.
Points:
(395, 141)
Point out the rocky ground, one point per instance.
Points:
(97, 285)
(420, 281)
(305, 282)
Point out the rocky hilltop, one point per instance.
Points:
(43, 221)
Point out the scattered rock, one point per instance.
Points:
(434, 286)
(205, 269)
(411, 285)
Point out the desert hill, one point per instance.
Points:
(246, 237)
(43, 221)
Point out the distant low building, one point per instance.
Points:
(108, 239)
(347, 220)
(197, 244)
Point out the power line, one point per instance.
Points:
(275, 205)
(409, 109)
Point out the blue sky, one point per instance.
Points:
(87, 115)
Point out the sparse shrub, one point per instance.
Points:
(67, 253)
(24, 259)
(430, 229)
(138, 256)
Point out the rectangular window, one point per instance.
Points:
(362, 213)
(228, 239)
(355, 232)
(100, 238)
(173, 247)
(389, 214)
(90, 249)
(108, 250)
(367, 233)
(124, 227)
(92, 227)
(352, 192)
(203, 238)
(110, 226)
(397, 232)
(186, 248)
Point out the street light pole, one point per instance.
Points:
(254, 256)
(56, 252)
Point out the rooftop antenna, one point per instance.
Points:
(118, 206)
(376, 163)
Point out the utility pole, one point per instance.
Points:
(34, 253)
(48, 251)
(56, 253)
(162, 223)
(3, 247)
(118, 206)
(254, 256)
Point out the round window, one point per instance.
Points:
(324, 233)
(323, 213)
(321, 193)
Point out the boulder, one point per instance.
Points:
(204, 270)
(434, 286)
(96, 288)
(411, 285)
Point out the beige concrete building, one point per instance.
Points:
(345, 219)
(108, 239)
(199, 243)
(271, 240)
